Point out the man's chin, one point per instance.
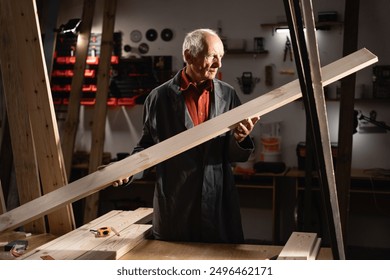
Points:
(211, 74)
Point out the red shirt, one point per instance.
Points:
(197, 98)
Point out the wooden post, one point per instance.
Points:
(72, 117)
(26, 169)
(3, 208)
(179, 143)
(346, 120)
(308, 67)
(48, 19)
(6, 158)
(100, 108)
(36, 89)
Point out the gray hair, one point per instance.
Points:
(194, 41)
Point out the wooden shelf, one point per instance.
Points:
(230, 53)
(325, 25)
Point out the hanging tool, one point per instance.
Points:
(288, 49)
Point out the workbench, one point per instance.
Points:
(149, 249)
(162, 250)
(131, 239)
(279, 194)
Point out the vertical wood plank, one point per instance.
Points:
(329, 190)
(346, 119)
(308, 66)
(100, 109)
(3, 208)
(48, 20)
(25, 164)
(36, 89)
(6, 158)
(72, 117)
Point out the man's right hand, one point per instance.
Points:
(118, 182)
(121, 182)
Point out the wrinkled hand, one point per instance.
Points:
(244, 128)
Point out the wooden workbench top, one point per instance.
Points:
(162, 250)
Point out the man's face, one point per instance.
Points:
(205, 66)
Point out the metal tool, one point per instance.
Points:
(288, 49)
(101, 232)
(104, 231)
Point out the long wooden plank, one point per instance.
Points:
(100, 108)
(346, 111)
(37, 92)
(319, 121)
(3, 208)
(179, 143)
(82, 244)
(72, 117)
(23, 149)
(331, 199)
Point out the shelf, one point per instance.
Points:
(230, 53)
(324, 25)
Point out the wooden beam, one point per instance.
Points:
(346, 119)
(179, 143)
(36, 89)
(308, 64)
(100, 108)
(48, 19)
(23, 149)
(6, 158)
(71, 123)
(3, 208)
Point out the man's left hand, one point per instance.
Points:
(244, 128)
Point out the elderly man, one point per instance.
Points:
(195, 198)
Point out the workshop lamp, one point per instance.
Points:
(281, 30)
(284, 29)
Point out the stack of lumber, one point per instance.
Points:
(82, 244)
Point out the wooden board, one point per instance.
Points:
(3, 208)
(82, 244)
(23, 149)
(330, 193)
(301, 246)
(179, 143)
(346, 124)
(100, 108)
(307, 60)
(37, 93)
(72, 116)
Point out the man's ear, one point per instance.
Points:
(188, 56)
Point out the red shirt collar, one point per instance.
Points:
(186, 83)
